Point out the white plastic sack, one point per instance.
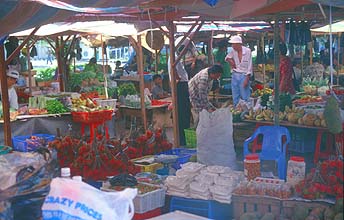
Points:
(215, 138)
(70, 199)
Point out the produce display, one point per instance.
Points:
(141, 188)
(264, 187)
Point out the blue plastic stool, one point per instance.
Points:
(273, 147)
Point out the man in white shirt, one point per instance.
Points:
(12, 76)
(240, 59)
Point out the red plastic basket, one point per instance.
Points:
(92, 117)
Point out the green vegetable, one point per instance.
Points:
(127, 89)
(332, 116)
(55, 107)
(285, 100)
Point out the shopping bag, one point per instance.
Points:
(215, 138)
(71, 199)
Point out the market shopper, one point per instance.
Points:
(157, 90)
(219, 57)
(183, 101)
(315, 70)
(199, 88)
(240, 60)
(12, 76)
(286, 71)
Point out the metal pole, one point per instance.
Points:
(277, 71)
(331, 52)
(29, 66)
(104, 72)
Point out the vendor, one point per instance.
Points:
(199, 88)
(92, 65)
(12, 76)
(286, 71)
(315, 70)
(157, 90)
(240, 60)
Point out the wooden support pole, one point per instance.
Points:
(173, 86)
(59, 63)
(277, 71)
(210, 49)
(187, 45)
(4, 98)
(160, 28)
(139, 62)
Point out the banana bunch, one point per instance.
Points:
(251, 115)
(260, 115)
(260, 92)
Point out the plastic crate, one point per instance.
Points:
(20, 143)
(150, 201)
(146, 215)
(190, 138)
(206, 208)
(183, 154)
(92, 117)
(146, 168)
(244, 203)
(302, 140)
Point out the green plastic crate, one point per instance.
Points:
(190, 138)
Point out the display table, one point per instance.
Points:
(320, 131)
(47, 124)
(179, 215)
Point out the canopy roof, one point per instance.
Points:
(336, 28)
(35, 13)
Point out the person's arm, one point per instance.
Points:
(203, 101)
(13, 99)
(230, 59)
(249, 70)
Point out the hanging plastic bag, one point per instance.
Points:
(70, 199)
(215, 138)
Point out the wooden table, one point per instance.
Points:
(319, 133)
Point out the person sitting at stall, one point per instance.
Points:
(315, 70)
(92, 66)
(286, 72)
(12, 76)
(157, 90)
(118, 70)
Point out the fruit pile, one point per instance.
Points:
(325, 180)
(94, 161)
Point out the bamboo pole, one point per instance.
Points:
(4, 98)
(59, 63)
(173, 86)
(139, 62)
(277, 71)
(210, 49)
(262, 44)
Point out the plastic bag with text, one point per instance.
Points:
(215, 144)
(73, 200)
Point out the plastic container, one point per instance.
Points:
(296, 171)
(65, 172)
(77, 178)
(190, 138)
(111, 103)
(146, 168)
(252, 166)
(26, 144)
(206, 208)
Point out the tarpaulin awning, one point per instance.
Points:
(335, 28)
(108, 28)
